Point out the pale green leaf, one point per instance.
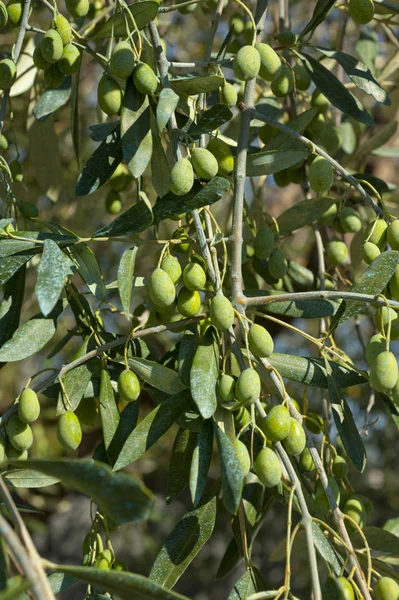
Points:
(204, 374)
(53, 269)
(125, 278)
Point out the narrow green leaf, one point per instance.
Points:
(11, 305)
(187, 349)
(89, 269)
(230, 470)
(28, 478)
(9, 247)
(52, 100)
(125, 278)
(28, 339)
(326, 550)
(166, 106)
(120, 496)
(378, 539)
(180, 461)
(201, 461)
(76, 381)
(184, 543)
(109, 413)
(150, 429)
(16, 586)
(101, 164)
(11, 265)
(127, 423)
(191, 86)
(142, 11)
(335, 91)
(211, 119)
(100, 131)
(136, 137)
(134, 220)
(52, 271)
(320, 12)
(160, 170)
(204, 373)
(160, 377)
(303, 213)
(380, 136)
(244, 587)
(391, 408)
(284, 141)
(303, 309)
(273, 161)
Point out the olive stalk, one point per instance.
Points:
(376, 299)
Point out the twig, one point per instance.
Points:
(317, 295)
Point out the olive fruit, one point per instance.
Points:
(183, 246)
(62, 26)
(317, 125)
(241, 418)
(393, 235)
(194, 277)
(144, 79)
(384, 371)
(248, 386)
(87, 411)
(370, 252)
(181, 177)
(221, 312)
(331, 138)
(221, 151)
(264, 243)
(53, 77)
(122, 60)
(8, 73)
(19, 433)
(28, 406)
(188, 302)
(278, 264)
(120, 178)
(376, 344)
(283, 82)
(51, 46)
(204, 163)
(3, 143)
(387, 589)
(3, 15)
(69, 432)
(237, 24)
(340, 467)
(328, 217)
(354, 508)
(226, 387)
(361, 11)
(260, 341)
(109, 95)
(113, 203)
(243, 456)
(376, 232)
(349, 220)
(286, 38)
(104, 560)
(14, 454)
(69, 61)
(321, 175)
(161, 288)
(306, 462)
(302, 77)
(14, 12)
(38, 59)
(270, 61)
(171, 265)
(128, 386)
(295, 441)
(322, 504)
(228, 95)
(383, 315)
(337, 252)
(77, 8)
(277, 423)
(338, 588)
(268, 468)
(319, 101)
(246, 63)
(16, 171)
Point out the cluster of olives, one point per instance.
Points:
(119, 181)
(18, 437)
(95, 555)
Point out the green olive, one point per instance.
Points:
(128, 386)
(277, 424)
(221, 312)
(28, 406)
(260, 341)
(248, 386)
(19, 433)
(295, 441)
(69, 432)
(268, 468)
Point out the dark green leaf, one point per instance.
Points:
(28, 339)
(135, 220)
(180, 461)
(143, 12)
(204, 374)
(380, 185)
(136, 137)
(127, 422)
(320, 12)
(11, 264)
(335, 91)
(303, 213)
(231, 558)
(378, 539)
(101, 131)
(89, 269)
(157, 375)
(191, 86)
(8, 247)
(52, 271)
(101, 164)
(211, 119)
(326, 550)
(122, 497)
(230, 470)
(150, 429)
(268, 107)
(75, 382)
(199, 196)
(52, 100)
(109, 413)
(187, 349)
(28, 478)
(201, 461)
(305, 278)
(160, 170)
(284, 141)
(244, 587)
(3, 565)
(166, 106)
(184, 543)
(11, 305)
(273, 161)
(125, 278)
(304, 309)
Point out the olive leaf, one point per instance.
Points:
(166, 106)
(52, 99)
(28, 478)
(89, 269)
(157, 375)
(201, 461)
(191, 86)
(11, 305)
(303, 213)
(134, 220)
(187, 349)
(247, 585)
(180, 461)
(136, 136)
(101, 165)
(75, 112)
(160, 169)
(142, 11)
(320, 12)
(210, 120)
(109, 413)
(75, 381)
(28, 339)
(284, 141)
(230, 471)
(204, 373)
(304, 309)
(273, 161)
(10, 265)
(125, 278)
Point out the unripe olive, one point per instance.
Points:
(241, 418)
(295, 441)
(268, 468)
(375, 346)
(221, 312)
(302, 77)
(306, 462)
(283, 82)
(370, 252)
(172, 266)
(51, 46)
(393, 235)
(3, 15)
(331, 138)
(361, 11)
(338, 589)
(322, 503)
(260, 341)
(321, 175)
(387, 589)
(122, 60)
(109, 95)
(221, 151)
(337, 252)
(264, 243)
(394, 284)
(354, 508)
(277, 423)
(144, 79)
(120, 178)
(340, 467)
(328, 217)
(237, 24)
(181, 177)
(270, 61)
(350, 220)
(14, 454)
(8, 73)
(28, 406)
(286, 38)
(188, 302)
(113, 203)
(194, 277)
(38, 59)
(183, 247)
(384, 371)
(226, 387)
(383, 315)
(376, 232)
(14, 11)
(69, 61)
(319, 101)
(62, 26)
(69, 432)
(3, 143)
(204, 163)
(77, 8)
(87, 411)
(161, 288)
(53, 77)
(243, 456)
(128, 386)
(19, 433)
(278, 264)
(104, 560)
(246, 63)
(248, 386)
(228, 95)
(16, 170)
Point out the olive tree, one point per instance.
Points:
(225, 154)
